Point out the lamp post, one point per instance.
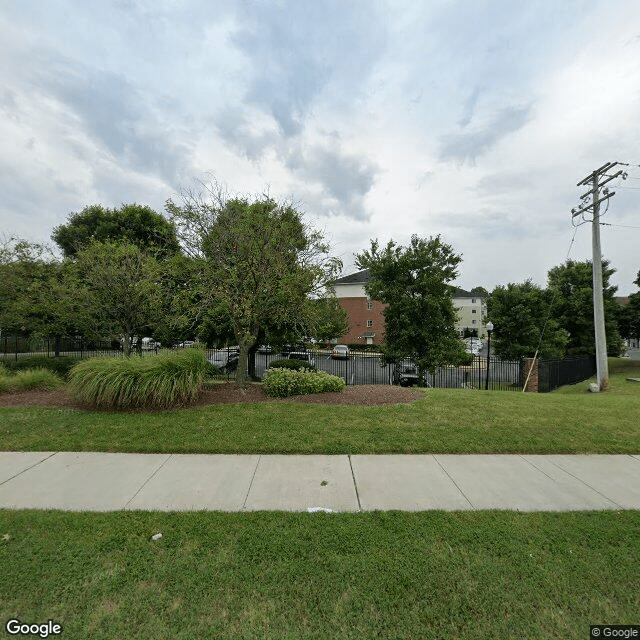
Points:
(489, 330)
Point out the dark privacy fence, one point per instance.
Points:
(554, 373)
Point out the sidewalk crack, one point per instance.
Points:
(144, 484)
(35, 464)
(246, 497)
(355, 484)
(455, 484)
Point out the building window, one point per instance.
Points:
(473, 300)
(369, 305)
(369, 323)
(473, 311)
(473, 322)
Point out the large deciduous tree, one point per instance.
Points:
(420, 317)
(520, 313)
(572, 286)
(130, 224)
(118, 284)
(35, 298)
(258, 260)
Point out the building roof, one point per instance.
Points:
(362, 277)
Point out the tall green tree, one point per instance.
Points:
(521, 315)
(572, 286)
(328, 319)
(118, 284)
(257, 259)
(420, 317)
(130, 224)
(34, 296)
(629, 315)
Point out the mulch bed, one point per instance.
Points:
(228, 393)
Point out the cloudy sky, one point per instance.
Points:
(381, 119)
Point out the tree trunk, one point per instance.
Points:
(126, 345)
(245, 343)
(252, 360)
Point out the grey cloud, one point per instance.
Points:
(491, 224)
(470, 107)
(297, 48)
(468, 145)
(343, 178)
(116, 115)
(504, 182)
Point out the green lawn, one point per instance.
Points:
(277, 575)
(570, 420)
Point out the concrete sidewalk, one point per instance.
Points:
(177, 482)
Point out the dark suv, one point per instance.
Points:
(405, 374)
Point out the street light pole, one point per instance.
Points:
(489, 330)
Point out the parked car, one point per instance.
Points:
(226, 359)
(291, 348)
(265, 348)
(340, 352)
(302, 355)
(405, 374)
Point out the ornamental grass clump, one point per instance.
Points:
(154, 382)
(281, 383)
(29, 379)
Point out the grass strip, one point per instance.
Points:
(284, 575)
(443, 421)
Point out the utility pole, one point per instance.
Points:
(602, 366)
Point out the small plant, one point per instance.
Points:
(294, 365)
(61, 365)
(36, 379)
(281, 383)
(29, 379)
(158, 382)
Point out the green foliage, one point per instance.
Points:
(36, 379)
(257, 259)
(281, 383)
(629, 318)
(519, 312)
(420, 317)
(572, 284)
(61, 365)
(162, 381)
(329, 319)
(130, 224)
(295, 365)
(33, 293)
(118, 283)
(29, 379)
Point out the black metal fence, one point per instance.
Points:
(16, 346)
(554, 373)
(367, 368)
(359, 368)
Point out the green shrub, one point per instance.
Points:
(29, 379)
(158, 381)
(280, 383)
(5, 383)
(61, 365)
(36, 379)
(294, 365)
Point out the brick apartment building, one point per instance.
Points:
(366, 319)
